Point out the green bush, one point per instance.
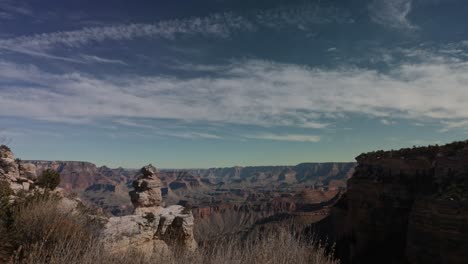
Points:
(49, 179)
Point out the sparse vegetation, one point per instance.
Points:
(42, 233)
(428, 151)
(5, 220)
(49, 179)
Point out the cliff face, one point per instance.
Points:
(300, 173)
(79, 175)
(405, 206)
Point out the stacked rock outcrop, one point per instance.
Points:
(152, 229)
(20, 176)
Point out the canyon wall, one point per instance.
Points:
(79, 175)
(406, 206)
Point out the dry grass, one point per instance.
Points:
(44, 234)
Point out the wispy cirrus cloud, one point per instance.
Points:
(220, 25)
(387, 122)
(217, 25)
(177, 132)
(285, 137)
(454, 124)
(97, 59)
(10, 9)
(302, 16)
(392, 13)
(253, 92)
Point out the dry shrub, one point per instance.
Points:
(41, 228)
(280, 246)
(45, 234)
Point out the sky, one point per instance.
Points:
(216, 83)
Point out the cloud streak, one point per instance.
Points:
(252, 92)
(220, 25)
(286, 137)
(10, 9)
(217, 25)
(392, 13)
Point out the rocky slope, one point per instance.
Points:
(404, 206)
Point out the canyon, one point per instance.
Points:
(223, 200)
(399, 206)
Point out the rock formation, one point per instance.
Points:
(152, 228)
(404, 206)
(19, 175)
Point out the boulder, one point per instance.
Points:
(28, 170)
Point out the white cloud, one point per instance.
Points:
(10, 9)
(167, 131)
(250, 92)
(302, 16)
(217, 24)
(286, 137)
(195, 135)
(131, 123)
(392, 13)
(450, 125)
(387, 122)
(93, 58)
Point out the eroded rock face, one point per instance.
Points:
(152, 228)
(405, 206)
(19, 175)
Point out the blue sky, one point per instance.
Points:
(210, 83)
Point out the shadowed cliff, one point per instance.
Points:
(405, 206)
